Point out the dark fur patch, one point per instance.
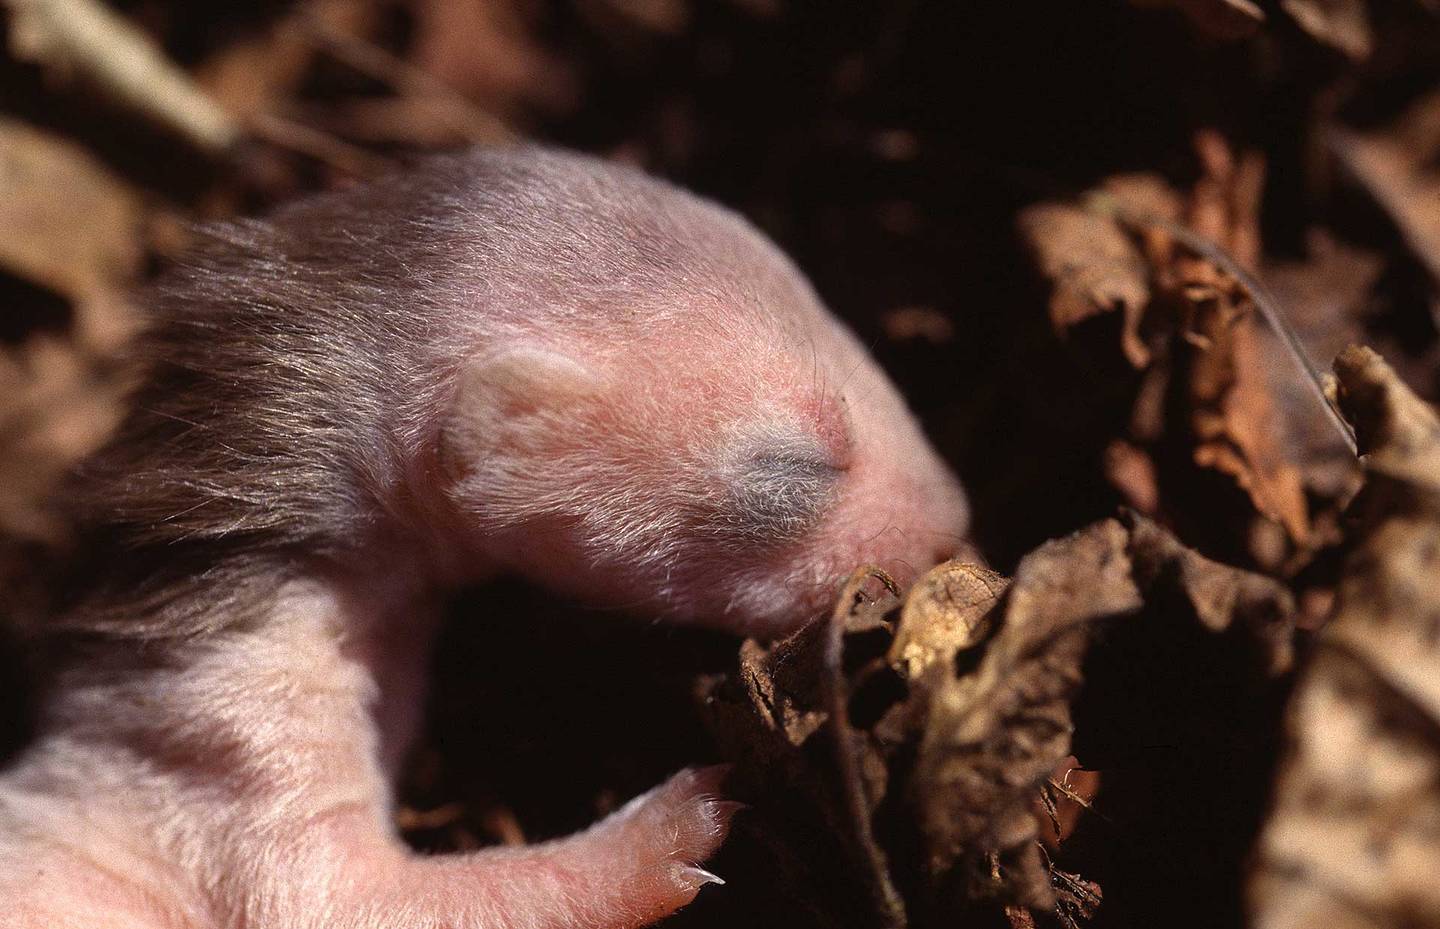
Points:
(294, 365)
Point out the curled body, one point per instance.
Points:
(501, 361)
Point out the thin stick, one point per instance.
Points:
(460, 114)
(312, 142)
(88, 38)
(1264, 302)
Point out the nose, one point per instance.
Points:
(955, 548)
(944, 552)
(963, 550)
(946, 513)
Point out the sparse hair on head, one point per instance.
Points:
(297, 364)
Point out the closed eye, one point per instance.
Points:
(779, 493)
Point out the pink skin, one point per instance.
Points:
(652, 420)
(241, 781)
(249, 794)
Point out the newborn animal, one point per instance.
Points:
(503, 361)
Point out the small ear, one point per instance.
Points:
(525, 380)
(512, 400)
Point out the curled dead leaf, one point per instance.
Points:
(1354, 838)
(784, 718)
(1094, 270)
(1212, 399)
(947, 611)
(1235, 418)
(917, 742)
(993, 734)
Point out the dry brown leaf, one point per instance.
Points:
(1094, 270)
(1207, 358)
(784, 717)
(924, 752)
(425, 109)
(85, 39)
(1144, 195)
(1131, 471)
(1343, 25)
(71, 227)
(70, 224)
(992, 736)
(1398, 168)
(1236, 421)
(488, 53)
(947, 611)
(1234, 417)
(58, 407)
(1220, 596)
(262, 72)
(1354, 839)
